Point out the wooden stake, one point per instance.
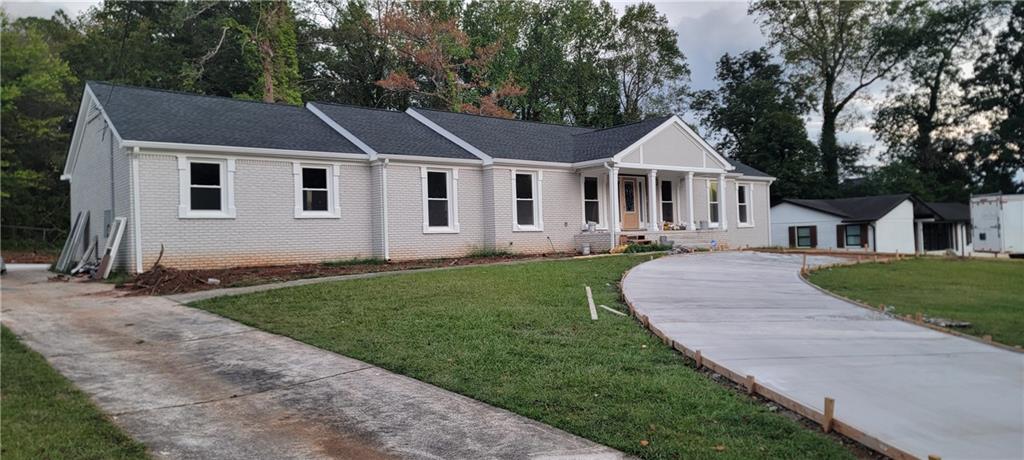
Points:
(987, 338)
(590, 303)
(934, 457)
(919, 317)
(804, 269)
(697, 357)
(830, 411)
(750, 384)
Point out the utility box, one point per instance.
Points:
(997, 223)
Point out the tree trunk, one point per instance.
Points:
(267, 58)
(828, 145)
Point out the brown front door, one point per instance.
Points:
(629, 203)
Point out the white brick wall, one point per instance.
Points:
(265, 230)
(562, 213)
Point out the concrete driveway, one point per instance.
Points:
(190, 384)
(922, 391)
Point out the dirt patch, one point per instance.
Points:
(165, 281)
(29, 256)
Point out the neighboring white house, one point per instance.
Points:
(998, 222)
(888, 223)
(217, 182)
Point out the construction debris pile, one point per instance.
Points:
(94, 261)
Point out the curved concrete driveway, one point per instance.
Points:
(922, 391)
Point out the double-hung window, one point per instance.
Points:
(713, 203)
(853, 236)
(591, 201)
(526, 200)
(743, 205)
(440, 208)
(315, 190)
(667, 206)
(805, 237)
(205, 188)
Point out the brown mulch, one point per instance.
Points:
(165, 280)
(29, 257)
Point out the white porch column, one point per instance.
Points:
(613, 213)
(723, 219)
(689, 201)
(653, 219)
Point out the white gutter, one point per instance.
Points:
(229, 149)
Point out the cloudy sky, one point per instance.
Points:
(707, 30)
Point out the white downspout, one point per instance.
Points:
(384, 207)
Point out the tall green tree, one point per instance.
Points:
(646, 58)
(35, 114)
(924, 121)
(756, 117)
(842, 46)
(269, 45)
(997, 91)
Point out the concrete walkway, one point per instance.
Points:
(190, 384)
(922, 391)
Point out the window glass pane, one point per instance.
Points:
(666, 191)
(592, 213)
(524, 212)
(666, 212)
(314, 178)
(524, 186)
(853, 235)
(314, 200)
(437, 184)
(803, 232)
(743, 213)
(205, 199)
(437, 211)
(629, 197)
(205, 173)
(741, 194)
(713, 192)
(590, 188)
(714, 213)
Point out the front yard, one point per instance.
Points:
(987, 293)
(44, 416)
(520, 337)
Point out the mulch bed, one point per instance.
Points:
(165, 280)
(29, 257)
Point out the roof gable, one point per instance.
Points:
(142, 114)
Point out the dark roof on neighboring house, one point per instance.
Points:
(960, 212)
(510, 139)
(858, 209)
(388, 131)
(604, 143)
(144, 114)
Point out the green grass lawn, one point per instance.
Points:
(987, 293)
(44, 416)
(520, 337)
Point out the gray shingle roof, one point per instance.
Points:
(858, 209)
(388, 131)
(510, 139)
(604, 143)
(747, 170)
(143, 114)
(958, 212)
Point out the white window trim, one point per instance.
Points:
(333, 178)
(707, 209)
(602, 191)
(538, 209)
(452, 176)
(671, 199)
(227, 189)
(749, 196)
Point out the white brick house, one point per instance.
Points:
(218, 182)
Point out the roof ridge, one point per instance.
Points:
(663, 117)
(560, 125)
(354, 106)
(186, 93)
